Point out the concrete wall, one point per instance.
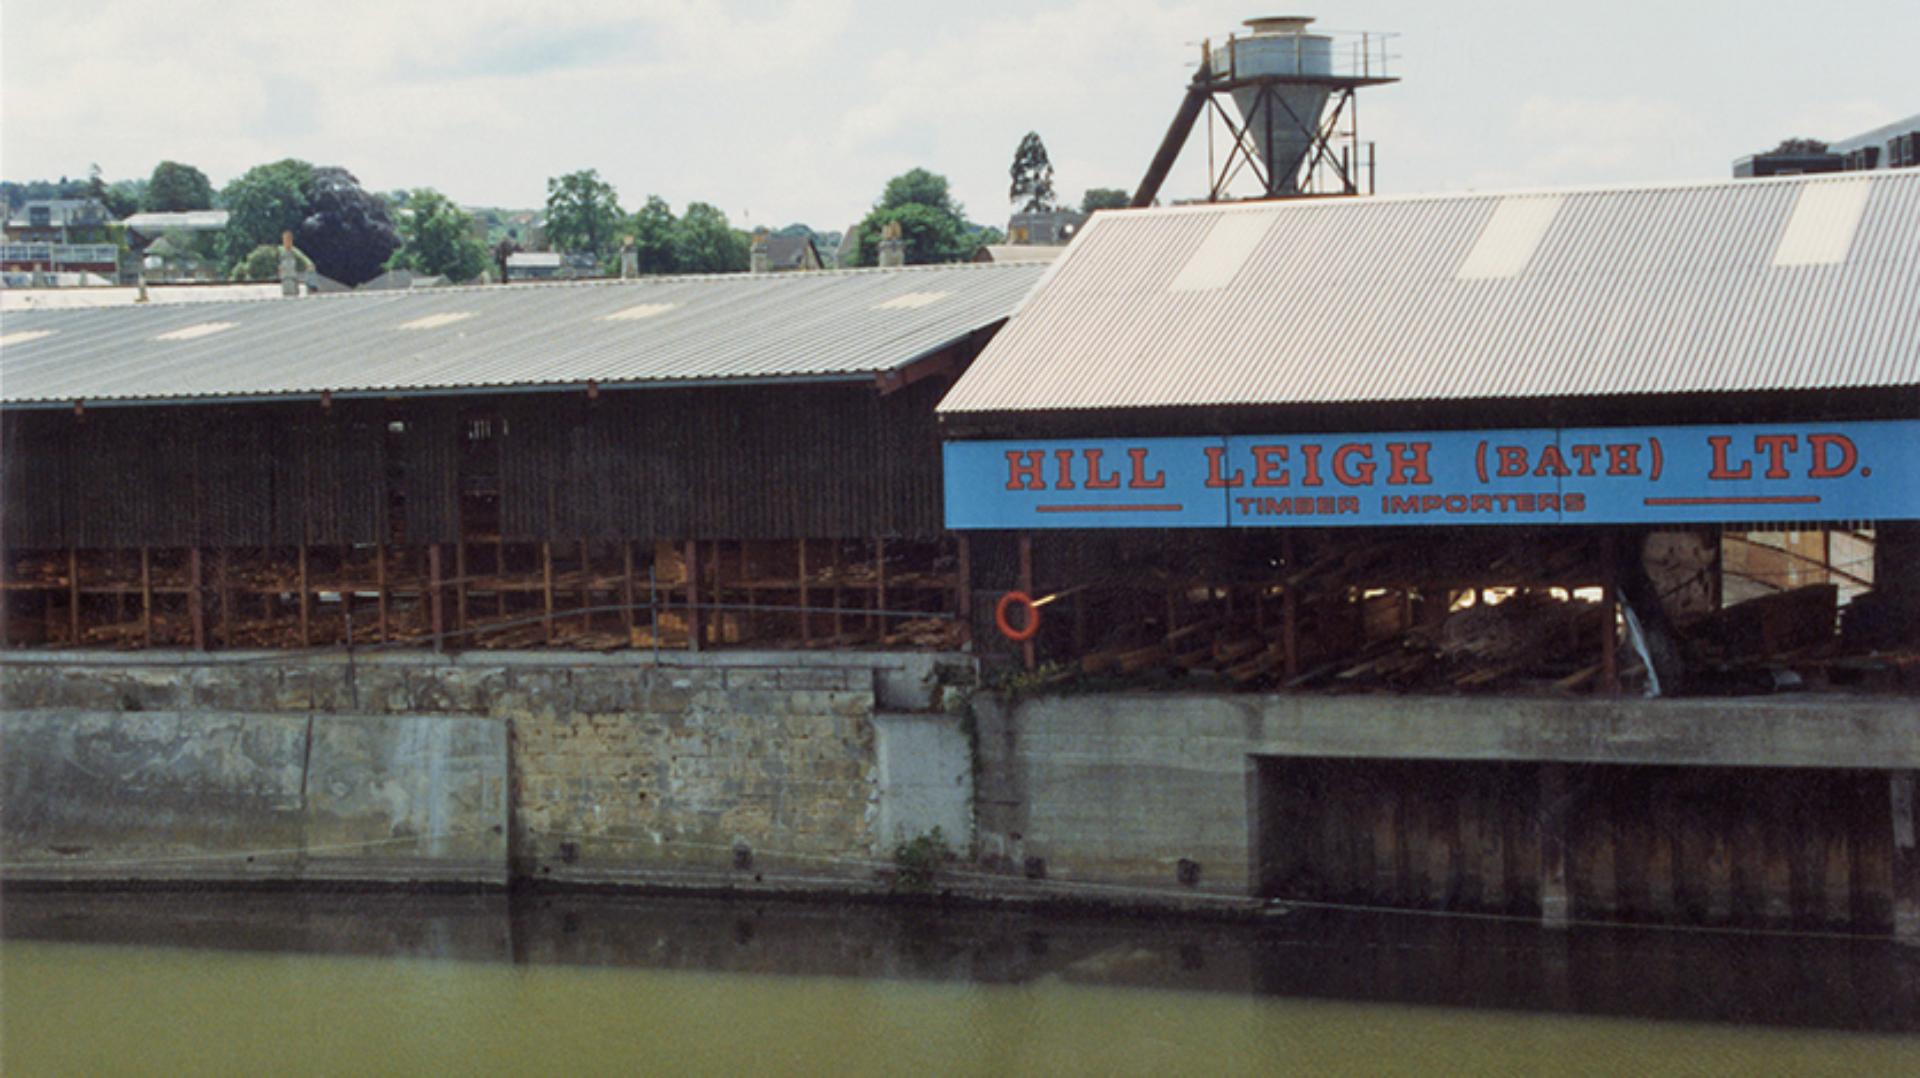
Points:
(926, 778)
(724, 769)
(1118, 789)
(225, 795)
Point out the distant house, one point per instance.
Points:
(1047, 228)
(176, 257)
(1010, 252)
(791, 253)
(550, 266)
(1897, 145)
(147, 227)
(59, 220)
(100, 258)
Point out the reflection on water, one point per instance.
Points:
(341, 983)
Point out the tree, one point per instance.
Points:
(930, 236)
(1800, 145)
(175, 188)
(922, 188)
(346, 230)
(1104, 198)
(655, 236)
(263, 263)
(438, 238)
(263, 202)
(1032, 176)
(932, 224)
(705, 242)
(126, 197)
(583, 214)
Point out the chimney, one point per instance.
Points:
(629, 261)
(759, 261)
(893, 250)
(289, 269)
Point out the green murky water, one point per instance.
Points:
(714, 989)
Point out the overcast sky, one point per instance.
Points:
(781, 112)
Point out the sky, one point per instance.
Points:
(780, 112)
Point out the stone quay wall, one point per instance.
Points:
(730, 769)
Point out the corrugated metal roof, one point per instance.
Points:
(1651, 289)
(737, 326)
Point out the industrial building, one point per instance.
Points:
(1449, 482)
(468, 467)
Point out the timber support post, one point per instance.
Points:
(1027, 655)
(1551, 821)
(1906, 858)
(196, 599)
(436, 603)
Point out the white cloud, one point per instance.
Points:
(801, 109)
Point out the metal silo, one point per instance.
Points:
(1284, 69)
(1292, 124)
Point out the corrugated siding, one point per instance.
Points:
(735, 463)
(217, 477)
(1629, 291)
(749, 326)
(763, 463)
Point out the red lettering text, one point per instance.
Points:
(1140, 480)
(1407, 463)
(1776, 447)
(1353, 475)
(1023, 470)
(1824, 467)
(1216, 464)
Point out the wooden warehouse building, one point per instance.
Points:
(1436, 551)
(668, 461)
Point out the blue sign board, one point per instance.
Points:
(1601, 475)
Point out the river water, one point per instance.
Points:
(341, 983)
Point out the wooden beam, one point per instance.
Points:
(880, 576)
(963, 601)
(1609, 602)
(1027, 655)
(1289, 612)
(436, 597)
(223, 587)
(586, 587)
(546, 590)
(626, 584)
(196, 606)
(1551, 818)
(1901, 789)
(146, 596)
(713, 625)
(306, 598)
(836, 593)
(894, 381)
(73, 597)
(460, 584)
(380, 586)
(806, 619)
(693, 595)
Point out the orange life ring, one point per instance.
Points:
(1026, 632)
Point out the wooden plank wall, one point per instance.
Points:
(1762, 848)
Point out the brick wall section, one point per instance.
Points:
(674, 770)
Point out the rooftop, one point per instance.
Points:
(841, 325)
(1796, 283)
